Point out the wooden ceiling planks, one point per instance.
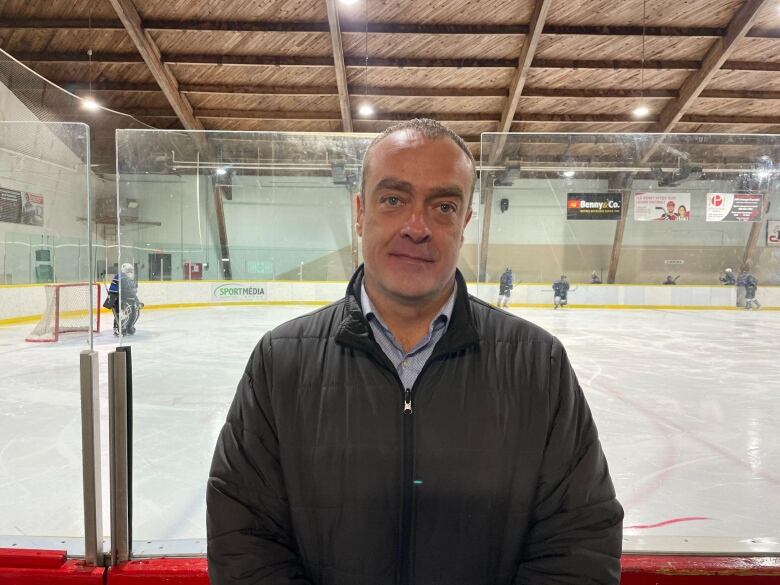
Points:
(736, 107)
(768, 18)
(270, 10)
(98, 9)
(431, 104)
(243, 43)
(627, 47)
(272, 125)
(431, 77)
(757, 49)
(575, 106)
(746, 80)
(449, 11)
(717, 55)
(606, 78)
(434, 46)
(42, 40)
(63, 73)
(266, 75)
(699, 13)
(679, 37)
(271, 102)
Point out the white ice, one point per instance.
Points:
(686, 404)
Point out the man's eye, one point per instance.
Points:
(447, 208)
(392, 201)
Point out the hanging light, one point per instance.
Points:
(642, 111)
(568, 174)
(366, 110)
(89, 102)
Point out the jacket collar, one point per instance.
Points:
(354, 330)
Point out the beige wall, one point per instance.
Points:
(638, 265)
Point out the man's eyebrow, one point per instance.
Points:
(447, 191)
(394, 185)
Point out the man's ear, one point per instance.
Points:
(360, 210)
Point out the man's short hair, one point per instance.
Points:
(427, 128)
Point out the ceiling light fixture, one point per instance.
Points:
(365, 109)
(642, 111)
(90, 104)
(568, 174)
(221, 171)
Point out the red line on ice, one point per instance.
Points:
(667, 522)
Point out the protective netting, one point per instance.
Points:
(35, 99)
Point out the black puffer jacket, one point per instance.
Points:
(496, 477)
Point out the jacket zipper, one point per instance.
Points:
(407, 521)
(408, 492)
(406, 565)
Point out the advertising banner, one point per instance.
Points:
(773, 233)
(735, 206)
(32, 209)
(594, 206)
(662, 206)
(239, 291)
(19, 207)
(10, 205)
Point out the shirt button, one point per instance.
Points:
(403, 364)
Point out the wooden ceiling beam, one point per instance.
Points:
(712, 63)
(527, 52)
(127, 13)
(266, 90)
(423, 92)
(338, 63)
(279, 61)
(521, 117)
(377, 28)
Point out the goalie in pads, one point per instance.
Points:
(127, 308)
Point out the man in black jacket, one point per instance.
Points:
(411, 433)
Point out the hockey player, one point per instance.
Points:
(670, 280)
(595, 278)
(561, 292)
(127, 308)
(505, 287)
(728, 277)
(751, 286)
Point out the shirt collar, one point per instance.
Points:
(444, 314)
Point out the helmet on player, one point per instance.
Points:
(728, 270)
(127, 268)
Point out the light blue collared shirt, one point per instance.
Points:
(408, 365)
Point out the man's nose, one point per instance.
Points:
(416, 227)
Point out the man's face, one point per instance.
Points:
(670, 206)
(413, 215)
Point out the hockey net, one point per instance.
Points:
(67, 310)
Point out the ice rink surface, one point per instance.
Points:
(687, 404)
